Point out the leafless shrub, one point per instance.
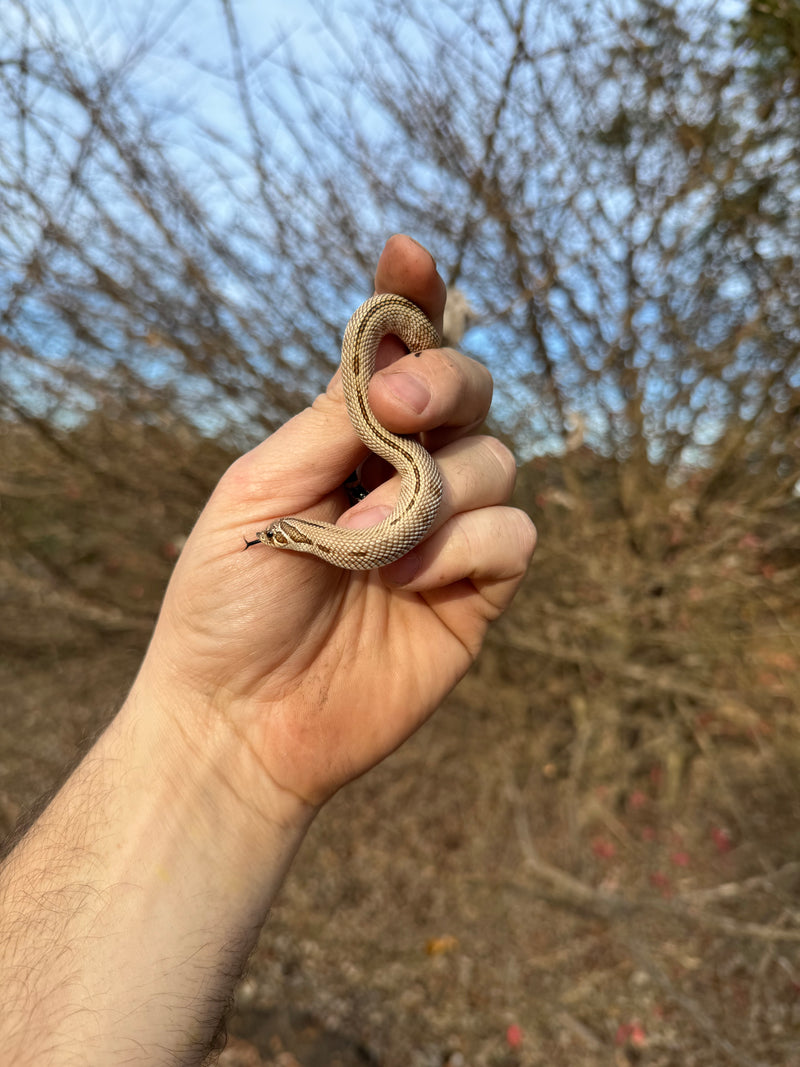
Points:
(614, 189)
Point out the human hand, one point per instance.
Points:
(272, 679)
(322, 672)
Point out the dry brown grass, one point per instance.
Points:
(596, 840)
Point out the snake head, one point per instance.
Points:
(274, 536)
(266, 537)
(289, 533)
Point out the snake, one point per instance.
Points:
(420, 480)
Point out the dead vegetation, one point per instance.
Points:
(596, 840)
(592, 854)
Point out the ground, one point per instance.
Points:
(590, 855)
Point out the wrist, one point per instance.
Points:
(210, 764)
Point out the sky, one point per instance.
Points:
(181, 49)
(196, 30)
(182, 59)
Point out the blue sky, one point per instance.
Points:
(180, 65)
(187, 40)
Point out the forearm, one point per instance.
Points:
(127, 912)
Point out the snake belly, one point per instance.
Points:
(420, 480)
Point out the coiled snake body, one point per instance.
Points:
(421, 482)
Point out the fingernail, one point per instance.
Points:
(403, 570)
(409, 389)
(357, 518)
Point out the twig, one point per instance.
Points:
(572, 892)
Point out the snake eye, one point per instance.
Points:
(270, 534)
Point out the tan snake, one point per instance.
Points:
(421, 482)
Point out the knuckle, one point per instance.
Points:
(505, 463)
(479, 379)
(472, 375)
(527, 533)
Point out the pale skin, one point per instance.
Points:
(272, 679)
